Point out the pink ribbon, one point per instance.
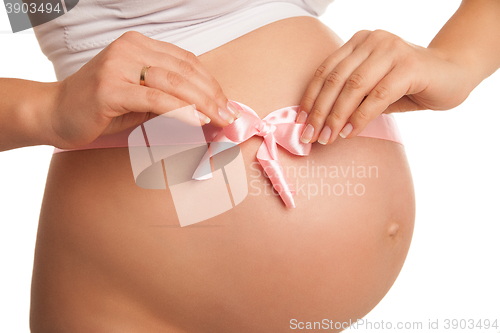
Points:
(278, 127)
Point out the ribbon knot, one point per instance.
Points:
(278, 127)
(265, 128)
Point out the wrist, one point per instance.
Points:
(467, 69)
(38, 111)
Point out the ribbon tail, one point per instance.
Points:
(204, 169)
(220, 143)
(275, 172)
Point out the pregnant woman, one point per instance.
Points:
(111, 256)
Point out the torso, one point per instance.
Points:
(111, 256)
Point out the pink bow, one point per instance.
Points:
(278, 127)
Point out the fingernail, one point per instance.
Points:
(325, 134)
(202, 117)
(226, 116)
(346, 131)
(301, 119)
(307, 134)
(233, 109)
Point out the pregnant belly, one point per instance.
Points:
(111, 256)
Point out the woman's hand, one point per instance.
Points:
(377, 72)
(105, 95)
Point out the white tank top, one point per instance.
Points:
(199, 26)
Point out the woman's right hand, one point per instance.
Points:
(105, 95)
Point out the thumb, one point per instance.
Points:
(404, 104)
(127, 120)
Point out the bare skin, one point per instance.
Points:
(111, 256)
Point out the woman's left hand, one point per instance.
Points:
(377, 72)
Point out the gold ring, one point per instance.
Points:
(143, 75)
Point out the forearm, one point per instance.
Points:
(471, 38)
(24, 112)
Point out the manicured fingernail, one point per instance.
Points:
(226, 116)
(325, 134)
(307, 134)
(202, 117)
(346, 130)
(301, 119)
(233, 109)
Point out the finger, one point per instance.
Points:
(187, 64)
(170, 49)
(172, 64)
(137, 98)
(321, 74)
(174, 84)
(190, 73)
(331, 89)
(359, 84)
(389, 90)
(141, 99)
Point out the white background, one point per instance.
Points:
(452, 270)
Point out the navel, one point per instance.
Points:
(393, 229)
